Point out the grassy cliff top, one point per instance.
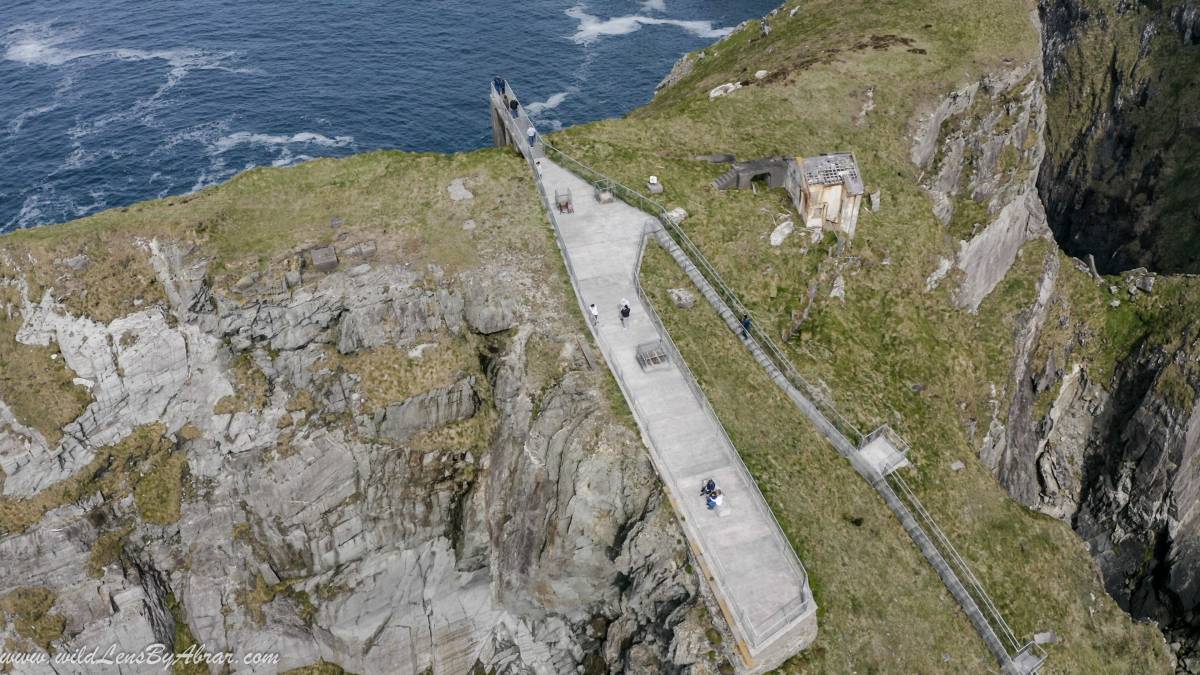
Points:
(860, 76)
(891, 352)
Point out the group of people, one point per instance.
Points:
(514, 107)
(713, 497)
(623, 310)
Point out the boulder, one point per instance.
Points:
(781, 232)
(724, 90)
(682, 297)
(458, 190)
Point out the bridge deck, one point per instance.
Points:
(746, 559)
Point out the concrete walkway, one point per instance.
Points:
(749, 565)
(754, 571)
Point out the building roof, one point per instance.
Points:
(832, 169)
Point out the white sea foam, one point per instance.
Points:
(592, 28)
(41, 44)
(14, 126)
(654, 5)
(31, 212)
(290, 161)
(233, 140)
(539, 107)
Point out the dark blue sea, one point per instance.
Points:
(107, 103)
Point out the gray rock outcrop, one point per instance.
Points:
(980, 147)
(490, 523)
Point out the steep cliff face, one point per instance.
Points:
(1123, 138)
(1140, 508)
(979, 150)
(388, 467)
(1119, 461)
(1099, 427)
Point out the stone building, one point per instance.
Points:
(826, 190)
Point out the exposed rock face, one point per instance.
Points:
(500, 521)
(979, 149)
(1141, 500)
(1116, 459)
(1124, 469)
(1004, 448)
(1124, 132)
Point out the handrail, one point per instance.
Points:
(806, 605)
(693, 384)
(959, 562)
(777, 358)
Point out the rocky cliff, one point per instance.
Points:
(1114, 453)
(1100, 425)
(1124, 133)
(387, 467)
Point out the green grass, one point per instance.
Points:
(159, 490)
(891, 353)
(259, 220)
(28, 608)
(35, 382)
(107, 550)
(882, 606)
(116, 471)
(184, 640)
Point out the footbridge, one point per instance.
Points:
(765, 598)
(748, 564)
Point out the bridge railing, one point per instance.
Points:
(789, 614)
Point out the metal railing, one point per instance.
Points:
(693, 384)
(964, 571)
(783, 364)
(531, 157)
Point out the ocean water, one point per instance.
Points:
(106, 103)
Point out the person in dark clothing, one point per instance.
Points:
(512, 105)
(625, 311)
(745, 326)
(498, 83)
(709, 487)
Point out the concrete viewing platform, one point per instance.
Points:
(744, 556)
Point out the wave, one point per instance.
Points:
(654, 5)
(39, 44)
(539, 107)
(592, 28)
(290, 161)
(14, 126)
(233, 140)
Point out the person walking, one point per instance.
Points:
(595, 314)
(512, 106)
(532, 134)
(498, 83)
(708, 487)
(625, 311)
(745, 326)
